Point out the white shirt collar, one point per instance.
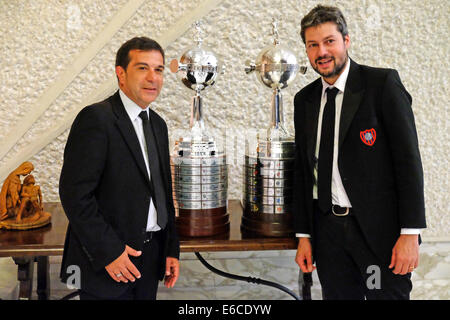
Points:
(132, 109)
(340, 82)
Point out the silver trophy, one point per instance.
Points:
(199, 169)
(269, 159)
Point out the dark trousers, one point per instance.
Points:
(148, 263)
(347, 267)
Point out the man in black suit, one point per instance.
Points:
(115, 186)
(359, 180)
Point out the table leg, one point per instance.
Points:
(304, 284)
(25, 267)
(43, 278)
(307, 284)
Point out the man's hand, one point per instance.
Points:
(172, 272)
(122, 269)
(405, 254)
(304, 254)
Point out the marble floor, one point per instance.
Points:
(431, 280)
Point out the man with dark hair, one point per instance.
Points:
(137, 43)
(359, 179)
(115, 186)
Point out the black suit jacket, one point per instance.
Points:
(383, 181)
(105, 192)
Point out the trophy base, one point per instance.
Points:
(266, 224)
(203, 222)
(27, 223)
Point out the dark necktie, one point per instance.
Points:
(156, 182)
(325, 165)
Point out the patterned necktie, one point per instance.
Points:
(156, 182)
(325, 165)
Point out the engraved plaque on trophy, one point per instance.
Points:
(199, 169)
(269, 157)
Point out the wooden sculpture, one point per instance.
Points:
(21, 205)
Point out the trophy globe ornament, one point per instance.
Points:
(276, 67)
(269, 159)
(198, 69)
(198, 161)
(199, 65)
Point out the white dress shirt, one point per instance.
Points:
(133, 111)
(338, 195)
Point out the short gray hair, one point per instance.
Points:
(322, 14)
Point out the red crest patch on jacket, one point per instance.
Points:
(368, 136)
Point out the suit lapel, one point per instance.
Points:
(353, 95)
(129, 134)
(158, 135)
(312, 108)
(155, 146)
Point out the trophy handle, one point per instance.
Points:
(174, 65)
(249, 67)
(303, 69)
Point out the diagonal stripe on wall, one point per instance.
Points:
(97, 94)
(73, 69)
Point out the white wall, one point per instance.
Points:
(57, 56)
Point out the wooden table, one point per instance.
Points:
(27, 247)
(36, 245)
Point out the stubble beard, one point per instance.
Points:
(336, 70)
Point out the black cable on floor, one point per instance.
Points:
(248, 279)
